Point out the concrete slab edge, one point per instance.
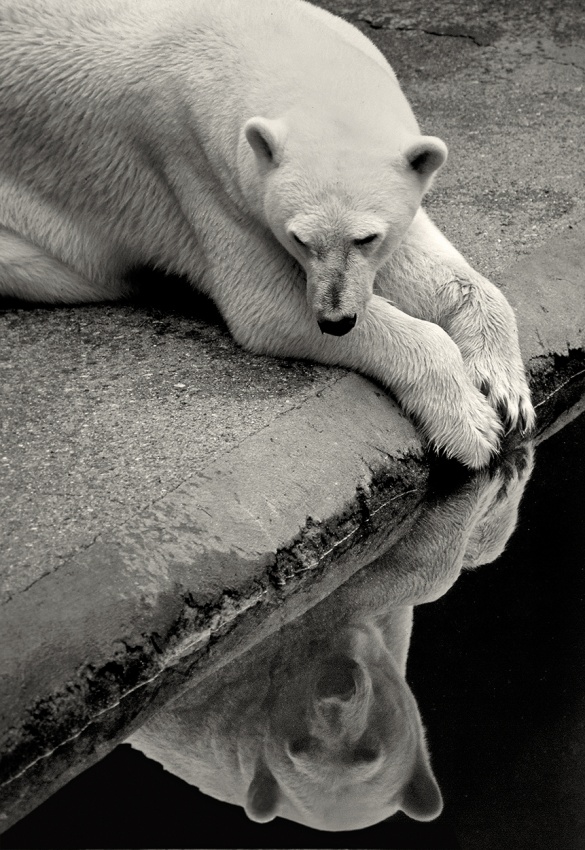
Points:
(219, 563)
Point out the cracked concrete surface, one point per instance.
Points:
(168, 499)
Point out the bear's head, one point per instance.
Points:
(345, 746)
(339, 197)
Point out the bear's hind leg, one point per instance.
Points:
(29, 273)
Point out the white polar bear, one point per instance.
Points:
(264, 150)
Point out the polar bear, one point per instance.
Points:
(265, 151)
(318, 723)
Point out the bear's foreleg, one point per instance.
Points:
(267, 312)
(429, 279)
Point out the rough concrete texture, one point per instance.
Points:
(168, 500)
(106, 409)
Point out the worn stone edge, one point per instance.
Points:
(558, 386)
(113, 694)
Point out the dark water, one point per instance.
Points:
(498, 668)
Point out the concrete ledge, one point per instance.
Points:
(92, 648)
(547, 290)
(130, 618)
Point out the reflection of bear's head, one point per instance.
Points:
(322, 730)
(345, 746)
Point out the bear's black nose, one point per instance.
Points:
(339, 328)
(338, 679)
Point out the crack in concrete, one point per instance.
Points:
(540, 339)
(559, 388)
(564, 64)
(65, 560)
(404, 28)
(164, 659)
(383, 23)
(471, 38)
(305, 553)
(77, 734)
(564, 55)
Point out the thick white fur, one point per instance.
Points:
(264, 734)
(206, 138)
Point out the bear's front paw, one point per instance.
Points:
(471, 432)
(455, 418)
(504, 385)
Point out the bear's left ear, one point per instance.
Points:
(421, 799)
(266, 138)
(426, 155)
(263, 794)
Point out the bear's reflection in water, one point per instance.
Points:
(318, 723)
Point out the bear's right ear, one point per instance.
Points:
(263, 794)
(266, 138)
(426, 155)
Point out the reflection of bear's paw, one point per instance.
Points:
(506, 476)
(514, 465)
(497, 492)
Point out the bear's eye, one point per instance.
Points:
(302, 746)
(299, 241)
(365, 240)
(365, 754)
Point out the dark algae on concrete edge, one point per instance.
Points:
(204, 573)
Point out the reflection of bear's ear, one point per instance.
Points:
(266, 139)
(263, 795)
(421, 799)
(426, 155)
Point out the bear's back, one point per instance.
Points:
(286, 53)
(255, 56)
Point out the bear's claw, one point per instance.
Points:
(506, 389)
